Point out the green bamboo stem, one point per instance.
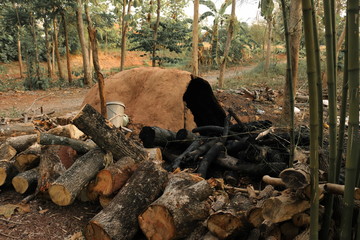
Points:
(345, 87)
(318, 76)
(314, 117)
(351, 166)
(290, 86)
(331, 82)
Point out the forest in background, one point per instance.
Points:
(44, 31)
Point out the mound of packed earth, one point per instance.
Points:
(157, 97)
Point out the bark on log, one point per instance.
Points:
(69, 130)
(156, 137)
(7, 152)
(20, 143)
(231, 222)
(65, 189)
(53, 163)
(119, 219)
(297, 177)
(7, 172)
(340, 189)
(14, 129)
(28, 158)
(273, 181)
(105, 136)
(78, 145)
(177, 212)
(114, 177)
(26, 181)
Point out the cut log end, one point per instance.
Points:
(94, 231)
(20, 184)
(224, 225)
(3, 175)
(104, 182)
(157, 223)
(60, 195)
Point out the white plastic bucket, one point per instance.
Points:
(115, 112)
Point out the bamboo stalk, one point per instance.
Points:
(351, 166)
(331, 83)
(314, 117)
(289, 76)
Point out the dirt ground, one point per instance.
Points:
(42, 219)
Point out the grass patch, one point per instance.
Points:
(11, 113)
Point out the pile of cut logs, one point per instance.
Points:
(182, 185)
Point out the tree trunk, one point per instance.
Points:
(119, 219)
(56, 40)
(94, 50)
(181, 207)
(85, 56)
(109, 139)
(67, 47)
(48, 49)
(227, 44)
(155, 33)
(268, 45)
(19, 42)
(195, 40)
(124, 28)
(65, 189)
(37, 63)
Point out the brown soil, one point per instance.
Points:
(45, 220)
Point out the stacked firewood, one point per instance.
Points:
(182, 185)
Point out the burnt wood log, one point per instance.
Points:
(114, 177)
(78, 145)
(209, 158)
(28, 158)
(156, 137)
(26, 181)
(201, 150)
(184, 134)
(235, 146)
(119, 219)
(251, 169)
(182, 206)
(231, 222)
(20, 143)
(7, 172)
(181, 157)
(65, 189)
(108, 138)
(214, 131)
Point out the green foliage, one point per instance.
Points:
(172, 36)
